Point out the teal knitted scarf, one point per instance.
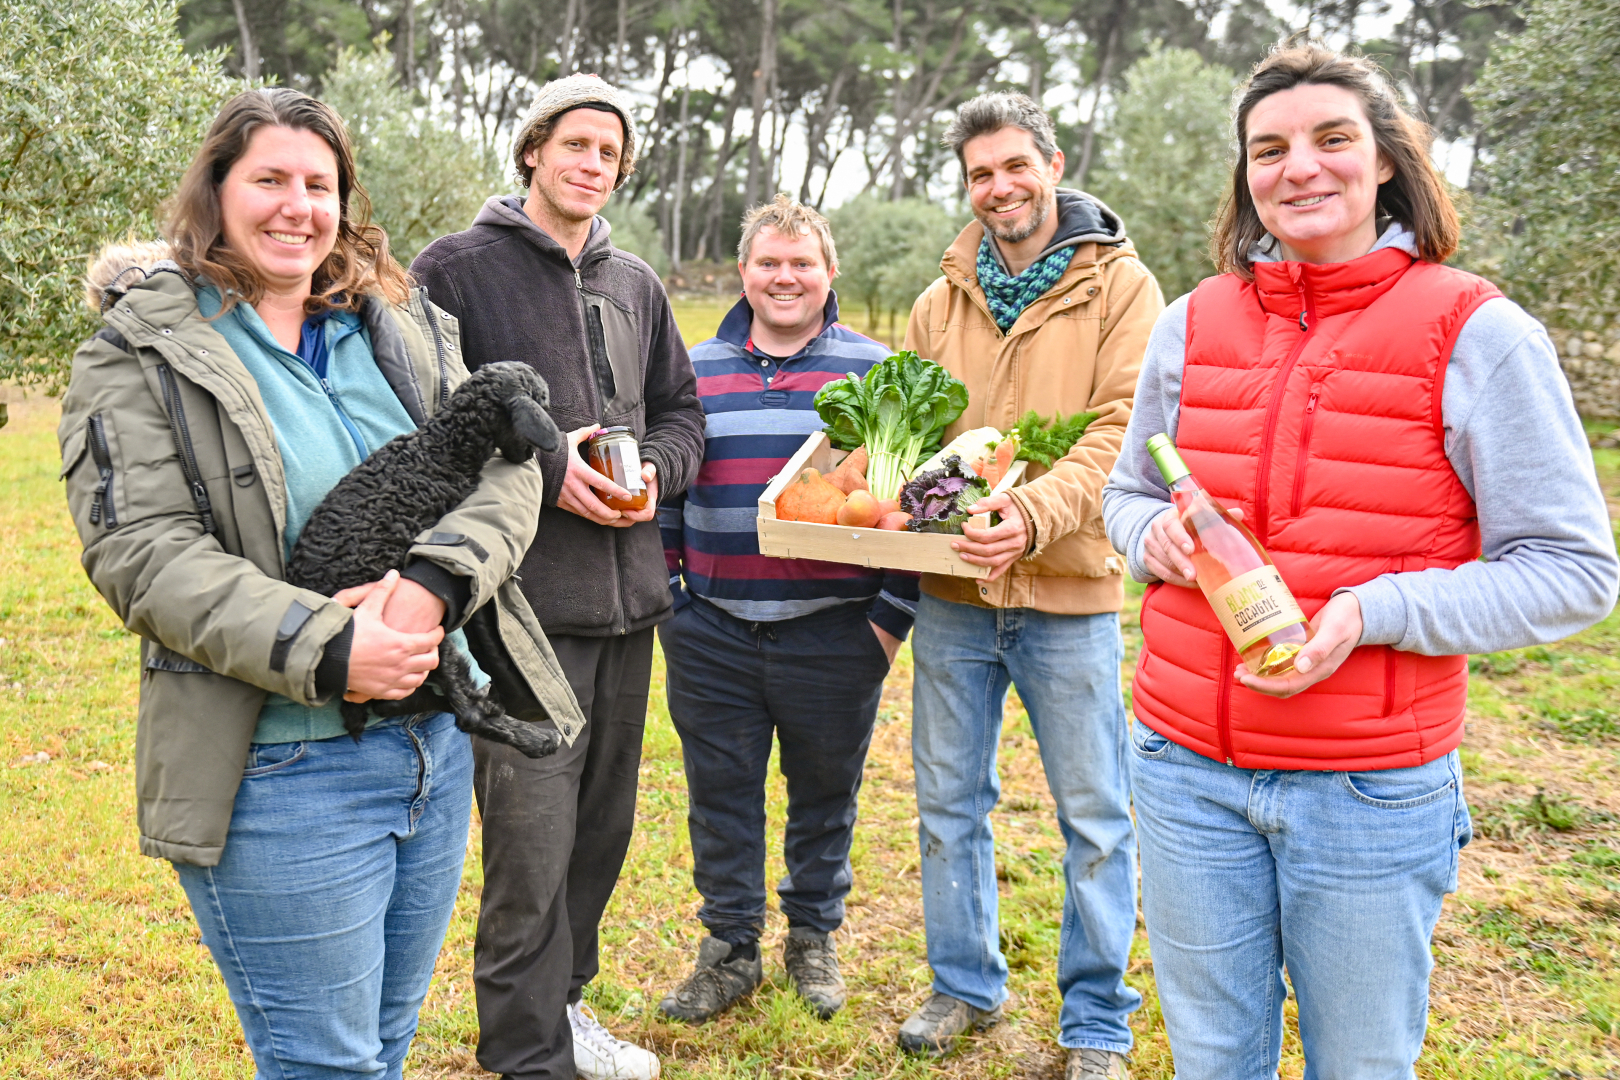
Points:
(1007, 295)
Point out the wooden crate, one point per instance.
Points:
(929, 553)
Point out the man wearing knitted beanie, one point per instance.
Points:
(537, 279)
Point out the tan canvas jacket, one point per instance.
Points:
(1078, 348)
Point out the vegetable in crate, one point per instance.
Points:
(974, 448)
(1044, 441)
(809, 498)
(938, 500)
(898, 411)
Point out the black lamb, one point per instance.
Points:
(367, 524)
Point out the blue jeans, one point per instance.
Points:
(1337, 875)
(812, 682)
(1066, 669)
(328, 907)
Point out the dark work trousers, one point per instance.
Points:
(555, 833)
(814, 682)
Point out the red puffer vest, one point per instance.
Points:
(1311, 398)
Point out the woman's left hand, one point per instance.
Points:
(411, 609)
(1338, 631)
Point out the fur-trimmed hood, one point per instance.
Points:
(113, 270)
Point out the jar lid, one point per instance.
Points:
(613, 431)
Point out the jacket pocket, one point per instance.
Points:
(73, 451)
(103, 505)
(1304, 450)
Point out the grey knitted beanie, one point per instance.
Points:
(559, 96)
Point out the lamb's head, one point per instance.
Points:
(512, 398)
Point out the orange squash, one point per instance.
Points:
(809, 497)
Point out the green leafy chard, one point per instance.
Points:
(898, 411)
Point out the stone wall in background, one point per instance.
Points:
(1591, 362)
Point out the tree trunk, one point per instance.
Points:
(764, 76)
(250, 51)
(407, 56)
(897, 170)
(679, 195)
(458, 56)
(1105, 64)
(714, 198)
(1037, 60)
(618, 43)
(565, 44)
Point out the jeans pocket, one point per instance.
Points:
(266, 758)
(1147, 743)
(1402, 789)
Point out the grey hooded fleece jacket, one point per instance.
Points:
(1512, 434)
(600, 331)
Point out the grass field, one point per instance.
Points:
(102, 973)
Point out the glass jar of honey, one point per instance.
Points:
(613, 452)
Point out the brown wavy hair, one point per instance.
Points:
(1415, 196)
(359, 262)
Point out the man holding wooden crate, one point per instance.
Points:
(1043, 305)
(761, 646)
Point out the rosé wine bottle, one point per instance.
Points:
(1255, 608)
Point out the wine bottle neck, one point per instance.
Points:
(1168, 460)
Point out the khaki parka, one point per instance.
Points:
(157, 400)
(1077, 348)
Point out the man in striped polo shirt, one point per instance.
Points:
(760, 646)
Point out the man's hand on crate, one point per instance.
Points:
(1001, 545)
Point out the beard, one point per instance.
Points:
(1016, 234)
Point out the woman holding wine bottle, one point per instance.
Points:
(1348, 425)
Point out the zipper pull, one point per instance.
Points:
(1310, 404)
(1303, 328)
(1229, 762)
(199, 495)
(95, 504)
(579, 282)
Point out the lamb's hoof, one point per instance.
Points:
(532, 740)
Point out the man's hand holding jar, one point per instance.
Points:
(600, 487)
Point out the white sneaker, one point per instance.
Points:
(600, 1056)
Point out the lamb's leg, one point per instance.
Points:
(478, 713)
(355, 714)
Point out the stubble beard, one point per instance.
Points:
(1017, 234)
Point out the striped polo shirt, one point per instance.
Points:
(758, 413)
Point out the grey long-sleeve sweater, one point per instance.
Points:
(1512, 434)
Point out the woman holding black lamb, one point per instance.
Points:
(245, 367)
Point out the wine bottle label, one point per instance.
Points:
(1255, 605)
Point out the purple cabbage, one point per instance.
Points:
(937, 500)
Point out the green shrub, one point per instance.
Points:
(100, 112)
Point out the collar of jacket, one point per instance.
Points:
(506, 212)
(738, 325)
(1089, 259)
(158, 310)
(1081, 218)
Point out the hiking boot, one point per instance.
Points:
(598, 1055)
(811, 960)
(716, 984)
(934, 1028)
(1088, 1064)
